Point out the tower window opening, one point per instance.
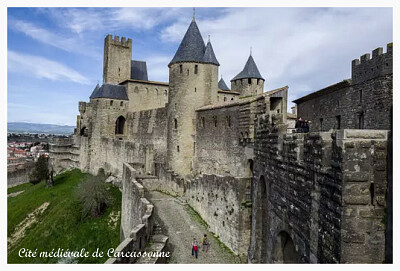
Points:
(119, 125)
(195, 89)
(177, 148)
(111, 102)
(215, 121)
(249, 81)
(121, 104)
(361, 121)
(180, 68)
(165, 92)
(224, 99)
(187, 71)
(338, 122)
(175, 123)
(258, 81)
(321, 121)
(228, 121)
(360, 94)
(196, 68)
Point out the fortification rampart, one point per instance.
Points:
(136, 221)
(318, 197)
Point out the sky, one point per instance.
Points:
(55, 55)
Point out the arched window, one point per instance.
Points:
(119, 125)
(285, 250)
(165, 92)
(121, 104)
(224, 99)
(111, 102)
(175, 123)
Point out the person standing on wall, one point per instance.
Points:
(194, 247)
(206, 244)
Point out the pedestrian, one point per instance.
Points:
(206, 244)
(194, 247)
(306, 128)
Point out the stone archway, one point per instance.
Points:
(119, 125)
(285, 250)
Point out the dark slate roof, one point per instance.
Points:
(250, 70)
(110, 91)
(222, 85)
(209, 56)
(139, 70)
(95, 90)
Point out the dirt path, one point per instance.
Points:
(31, 218)
(182, 227)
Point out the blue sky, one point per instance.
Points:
(55, 55)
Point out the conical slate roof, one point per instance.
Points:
(95, 91)
(209, 56)
(250, 70)
(192, 47)
(222, 85)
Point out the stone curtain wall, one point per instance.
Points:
(224, 203)
(19, 174)
(136, 220)
(64, 154)
(312, 191)
(143, 144)
(368, 93)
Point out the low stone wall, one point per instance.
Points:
(136, 221)
(19, 174)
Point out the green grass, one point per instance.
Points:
(61, 225)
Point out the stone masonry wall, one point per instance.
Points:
(224, 203)
(367, 96)
(313, 191)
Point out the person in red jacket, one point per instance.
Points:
(194, 247)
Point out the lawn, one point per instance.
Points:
(61, 224)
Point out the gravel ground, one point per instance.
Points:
(182, 225)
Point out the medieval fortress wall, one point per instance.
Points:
(273, 196)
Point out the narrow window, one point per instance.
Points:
(180, 68)
(195, 89)
(360, 95)
(196, 69)
(258, 81)
(111, 102)
(361, 121)
(321, 121)
(194, 147)
(202, 122)
(165, 92)
(228, 121)
(175, 123)
(215, 121)
(224, 99)
(187, 71)
(249, 81)
(177, 148)
(217, 98)
(338, 122)
(122, 103)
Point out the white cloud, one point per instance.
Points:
(39, 67)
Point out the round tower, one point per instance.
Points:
(249, 81)
(193, 83)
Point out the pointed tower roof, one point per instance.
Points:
(192, 47)
(250, 70)
(209, 56)
(222, 85)
(95, 91)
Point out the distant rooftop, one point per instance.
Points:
(222, 85)
(139, 70)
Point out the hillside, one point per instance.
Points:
(39, 128)
(50, 218)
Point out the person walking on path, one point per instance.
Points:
(194, 247)
(206, 244)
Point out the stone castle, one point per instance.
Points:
(273, 196)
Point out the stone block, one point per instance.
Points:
(356, 200)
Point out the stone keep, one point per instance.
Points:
(117, 59)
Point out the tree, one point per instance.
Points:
(40, 171)
(93, 196)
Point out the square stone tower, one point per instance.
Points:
(117, 59)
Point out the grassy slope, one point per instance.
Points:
(61, 225)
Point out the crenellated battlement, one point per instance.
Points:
(367, 68)
(117, 41)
